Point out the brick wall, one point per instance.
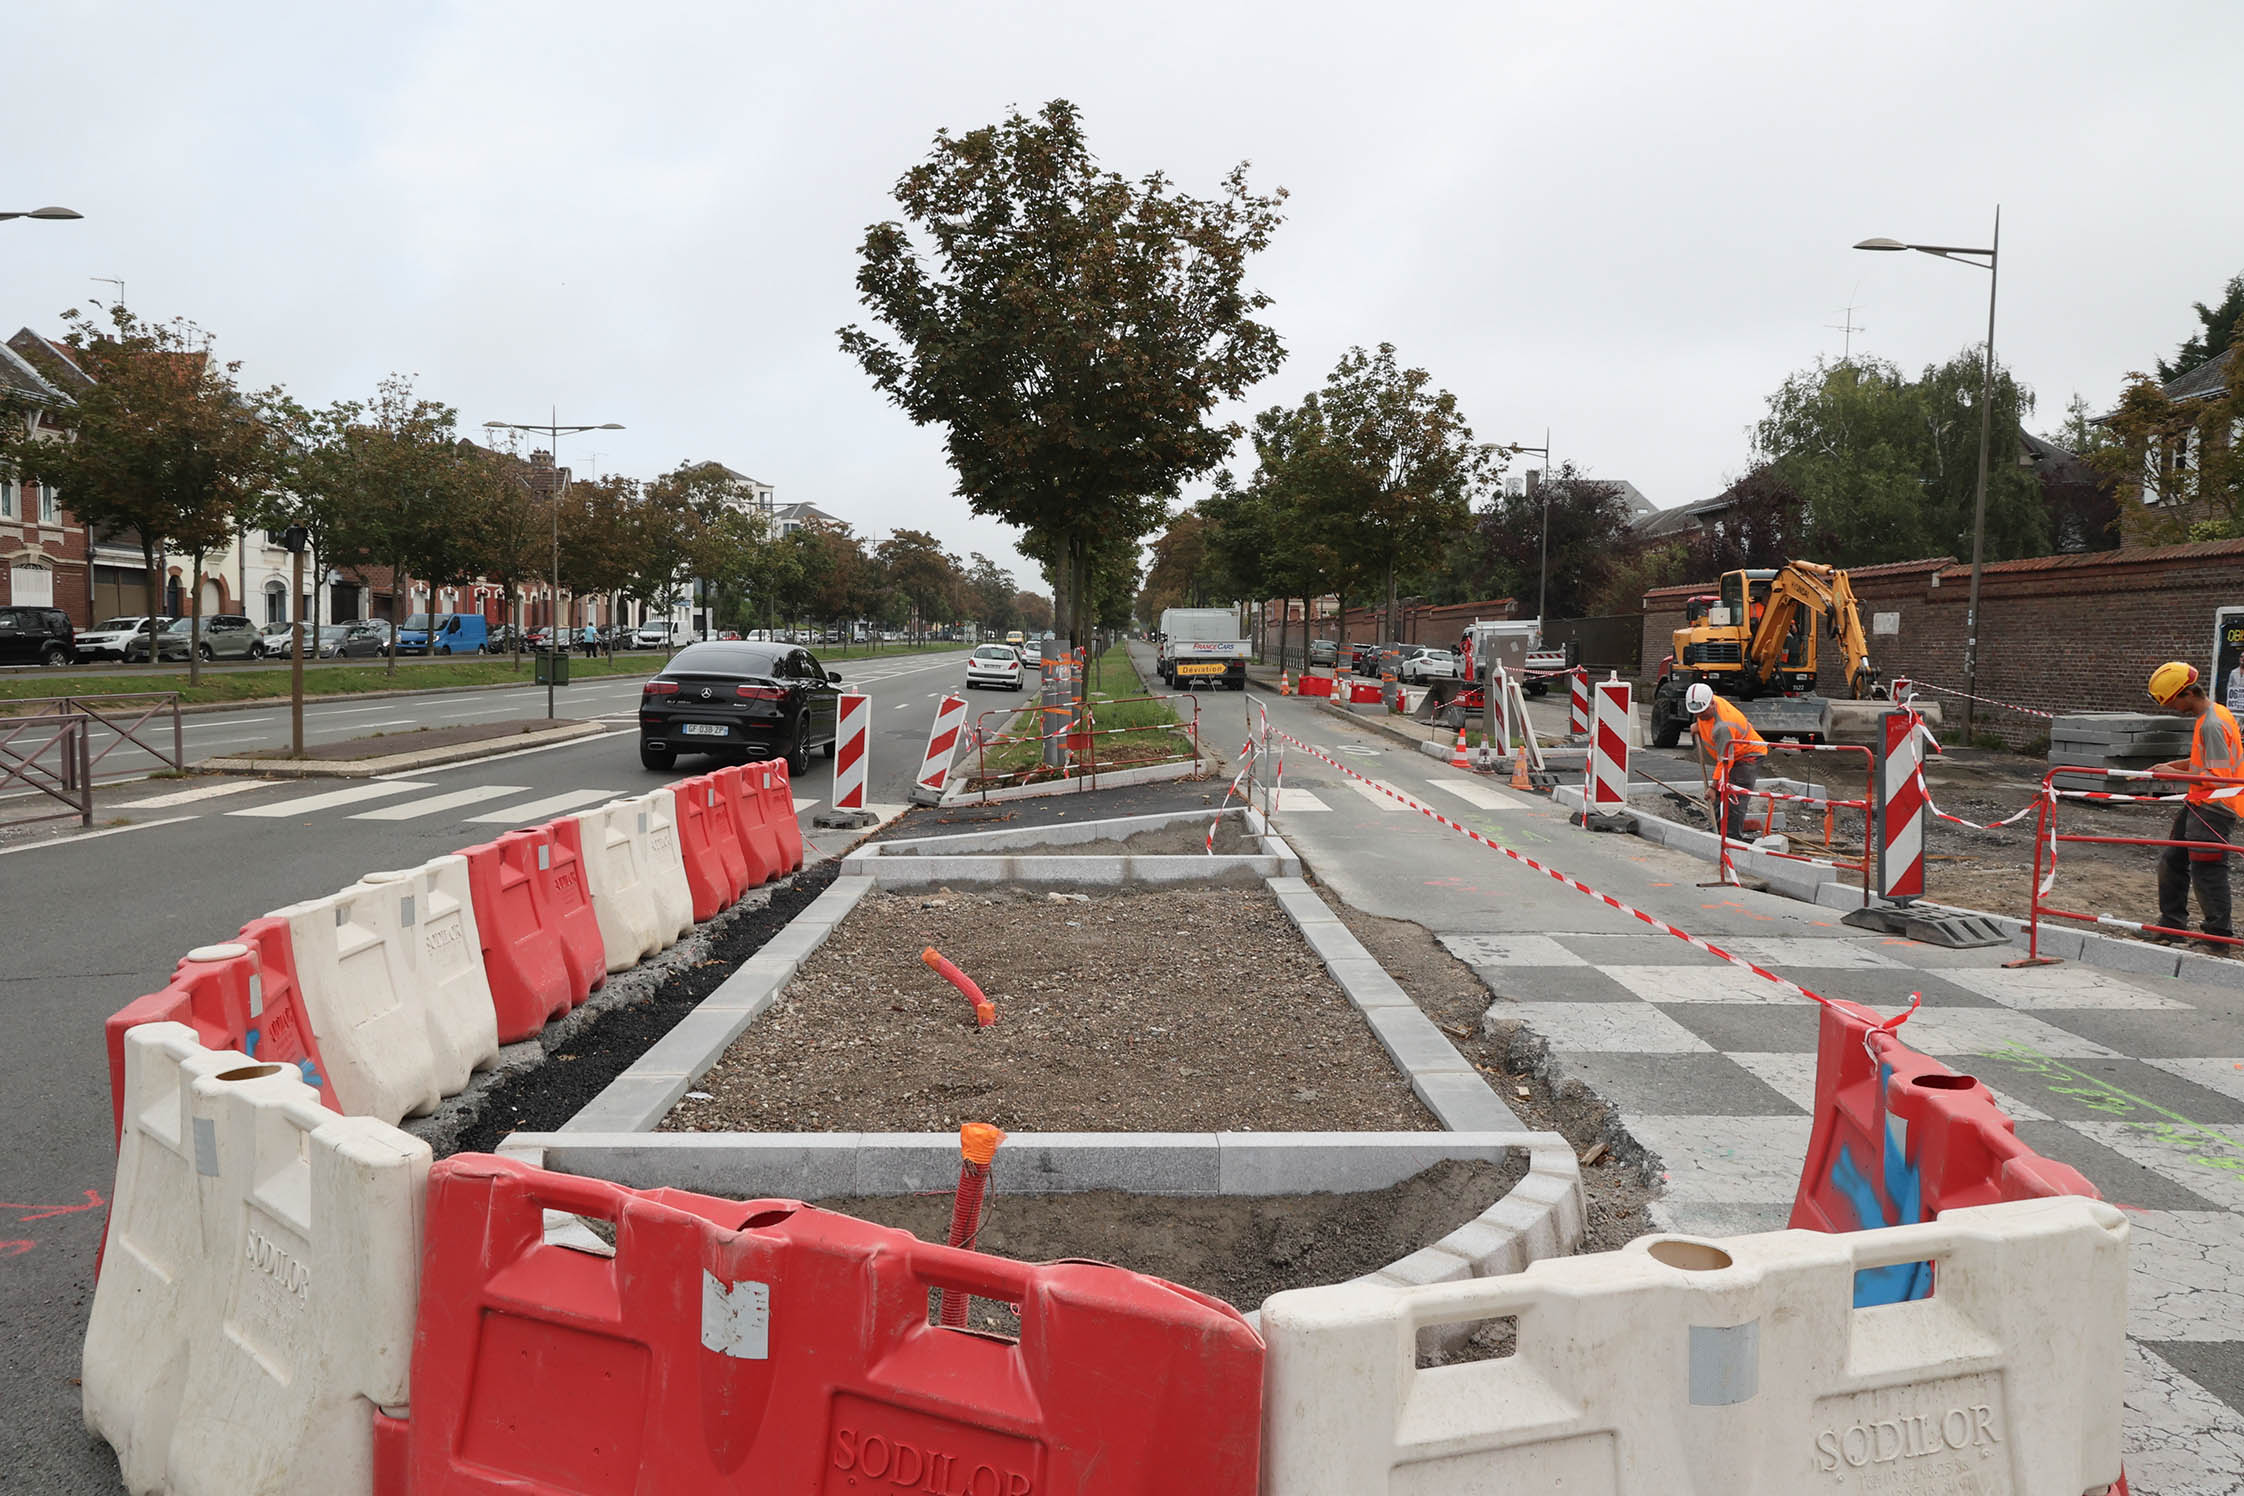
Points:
(59, 549)
(2077, 633)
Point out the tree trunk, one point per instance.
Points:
(155, 595)
(195, 624)
(401, 607)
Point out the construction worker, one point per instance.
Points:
(1736, 749)
(2216, 753)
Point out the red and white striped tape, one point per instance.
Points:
(852, 736)
(1577, 885)
(1246, 762)
(1912, 682)
(942, 745)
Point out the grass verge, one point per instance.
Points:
(1131, 733)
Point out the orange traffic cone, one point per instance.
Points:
(1285, 684)
(1457, 759)
(1520, 781)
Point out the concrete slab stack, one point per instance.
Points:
(2114, 740)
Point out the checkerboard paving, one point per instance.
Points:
(1713, 1071)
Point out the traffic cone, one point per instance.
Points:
(1457, 759)
(1520, 781)
(1285, 684)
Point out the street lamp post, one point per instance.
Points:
(1542, 588)
(50, 213)
(1987, 259)
(554, 431)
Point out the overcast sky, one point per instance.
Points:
(1625, 222)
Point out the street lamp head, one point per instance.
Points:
(609, 426)
(1881, 244)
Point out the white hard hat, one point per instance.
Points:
(1698, 698)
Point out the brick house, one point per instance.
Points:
(43, 554)
(2185, 472)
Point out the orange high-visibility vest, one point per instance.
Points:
(1727, 735)
(2216, 747)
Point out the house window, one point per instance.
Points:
(276, 602)
(8, 487)
(50, 505)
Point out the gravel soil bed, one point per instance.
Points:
(1240, 1248)
(1174, 1011)
(581, 1060)
(1447, 991)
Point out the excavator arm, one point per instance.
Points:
(1825, 592)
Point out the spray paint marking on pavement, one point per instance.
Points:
(2200, 1144)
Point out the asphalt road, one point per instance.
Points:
(99, 919)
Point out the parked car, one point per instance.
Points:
(36, 636)
(368, 638)
(501, 640)
(1323, 652)
(273, 641)
(994, 665)
(225, 636)
(106, 640)
(1421, 663)
(654, 636)
(443, 633)
(739, 700)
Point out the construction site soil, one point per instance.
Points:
(1240, 1248)
(1197, 1010)
(1184, 839)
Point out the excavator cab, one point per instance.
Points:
(1756, 638)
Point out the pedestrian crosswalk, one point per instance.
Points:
(329, 799)
(542, 810)
(413, 810)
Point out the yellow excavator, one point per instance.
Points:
(1755, 641)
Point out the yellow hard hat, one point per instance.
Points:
(2171, 680)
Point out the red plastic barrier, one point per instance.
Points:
(1363, 692)
(765, 1345)
(712, 886)
(759, 846)
(779, 812)
(1314, 685)
(522, 955)
(569, 899)
(1898, 1138)
(722, 796)
(239, 996)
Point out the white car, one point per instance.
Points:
(106, 640)
(993, 665)
(1425, 663)
(652, 636)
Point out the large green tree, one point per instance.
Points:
(1404, 466)
(1588, 527)
(2217, 327)
(163, 446)
(1071, 330)
(1886, 466)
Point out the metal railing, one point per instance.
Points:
(1725, 791)
(127, 723)
(2226, 794)
(47, 754)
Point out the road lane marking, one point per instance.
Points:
(539, 810)
(1299, 800)
(200, 792)
(328, 800)
(802, 805)
(431, 805)
(82, 836)
(1379, 801)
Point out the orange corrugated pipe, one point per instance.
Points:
(985, 1011)
(977, 1145)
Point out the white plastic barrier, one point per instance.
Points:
(665, 869)
(614, 841)
(258, 1280)
(391, 973)
(1690, 1368)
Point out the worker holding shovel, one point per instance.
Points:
(1729, 740)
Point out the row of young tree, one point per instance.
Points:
(161, 444)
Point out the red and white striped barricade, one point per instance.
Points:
(942, 747)
(1901, 808)
(1605, 783)
(1578, 703)
(851, 738)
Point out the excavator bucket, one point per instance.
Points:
(1859, 721)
